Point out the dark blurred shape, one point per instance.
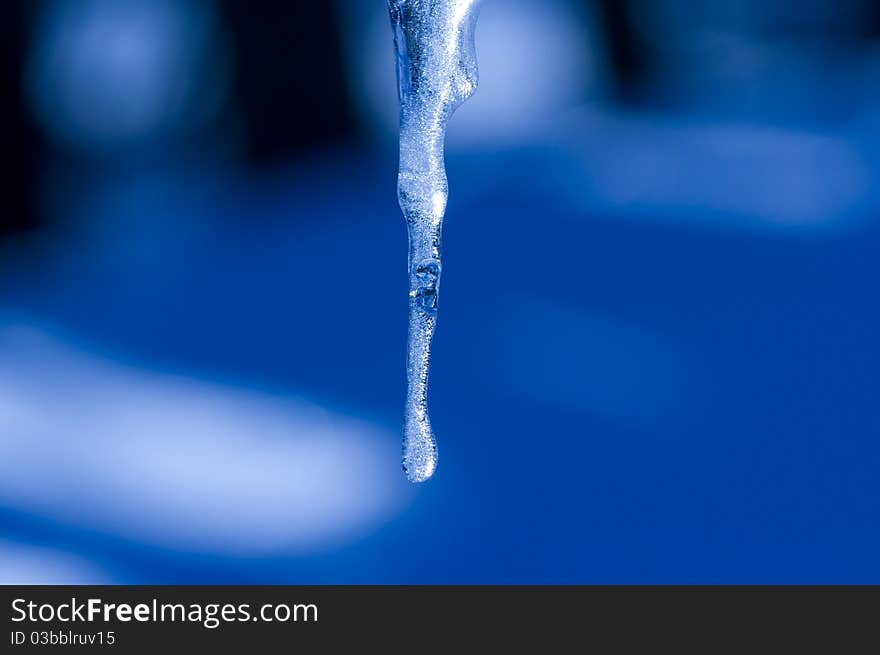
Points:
(101, 89)
(19, 143)
(290, 80)
(750, 60)
(677, 51)
(626, 54)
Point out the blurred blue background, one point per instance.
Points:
(657, 358)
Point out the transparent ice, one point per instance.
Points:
(436, 72)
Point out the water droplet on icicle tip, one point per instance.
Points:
(436, 72)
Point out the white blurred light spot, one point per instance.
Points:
(184, 464)
(22, 564)
(104, 73)
(736, 174)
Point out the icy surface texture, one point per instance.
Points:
(436, 72)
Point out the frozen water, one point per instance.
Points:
(436, 72)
